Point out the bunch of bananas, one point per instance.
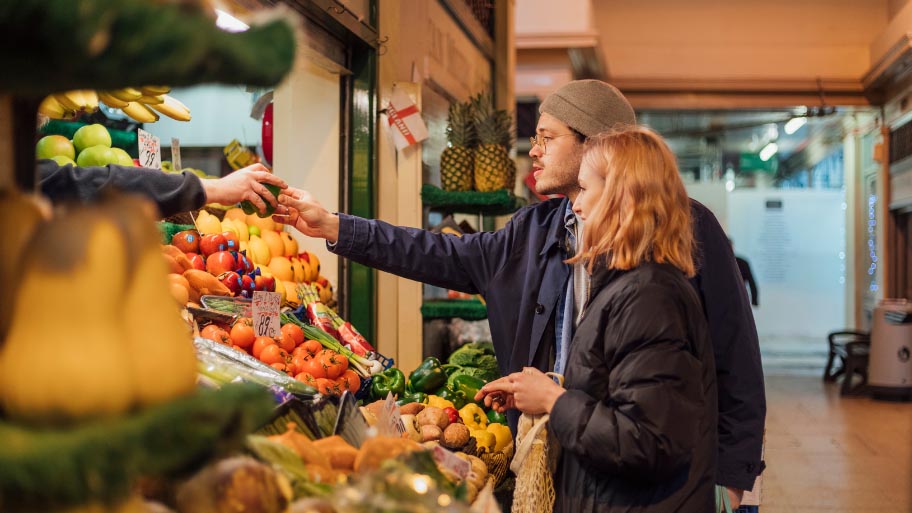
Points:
(140, 104)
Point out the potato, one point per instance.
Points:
(411, 408)
(433, 416)
(455, 436)
(430, 432)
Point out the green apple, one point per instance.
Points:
(99, 155)
(62, 161)
(123, 158)
(51, 146)
(253, 230)
(91, 135)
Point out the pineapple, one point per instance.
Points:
(457, 162)
(494, 169)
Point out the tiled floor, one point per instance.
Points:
(832, 454)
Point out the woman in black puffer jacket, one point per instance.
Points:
(636, 423)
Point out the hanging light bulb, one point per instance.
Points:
(794, 124)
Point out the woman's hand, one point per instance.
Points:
(496, 396)
(529, 391)
(300, 210)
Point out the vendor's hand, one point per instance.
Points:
(244, 184)
(495, 396)
(299, 209)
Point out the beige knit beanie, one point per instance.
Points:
(589, 107)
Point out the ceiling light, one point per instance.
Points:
(794, 124)
(229, 23)
(768, 151)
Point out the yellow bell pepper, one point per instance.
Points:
(484, 440)
(501, 434)
(473, 416)
(439, 402)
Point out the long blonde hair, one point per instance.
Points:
(643, 213)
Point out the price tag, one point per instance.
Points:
(451, 462)
(149, 150)
(266, 313)
(390, 421)
(176, 154)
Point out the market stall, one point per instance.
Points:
(200, 362)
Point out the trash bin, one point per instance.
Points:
(890, 367)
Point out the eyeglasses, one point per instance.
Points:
(540, 140)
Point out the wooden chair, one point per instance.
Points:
(853, 350)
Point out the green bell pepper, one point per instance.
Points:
(412, 397)
(468, 386)
(428, 377)
(496, 418)
(390, 380)
(456, 397)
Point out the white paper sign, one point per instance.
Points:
(451, 462)
(266, 313)
(176, 154)
(149, 150)
(390, 421)
(405, 120)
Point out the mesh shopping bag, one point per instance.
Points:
(534, 463)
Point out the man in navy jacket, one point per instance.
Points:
(530, 291)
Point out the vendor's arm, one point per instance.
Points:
(649, 424)
(173, 193)
(461, 263)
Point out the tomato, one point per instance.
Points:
(295, 331)
(328, 387)
(286, 342)
(297, 362)
(302, 352)
(278, 366)
(213, 332)
(312, 346)
(242, 333)
(241, 349)
(314, 367)
(261, 343)
(334, 363)
(273, 354)
(306, 378)
(350, 380)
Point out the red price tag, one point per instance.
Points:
(451, 462)
(149, 150)
(265, 307)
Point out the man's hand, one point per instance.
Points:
(735, 495)
(529, 391)
(299, 209)
(243, 184)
